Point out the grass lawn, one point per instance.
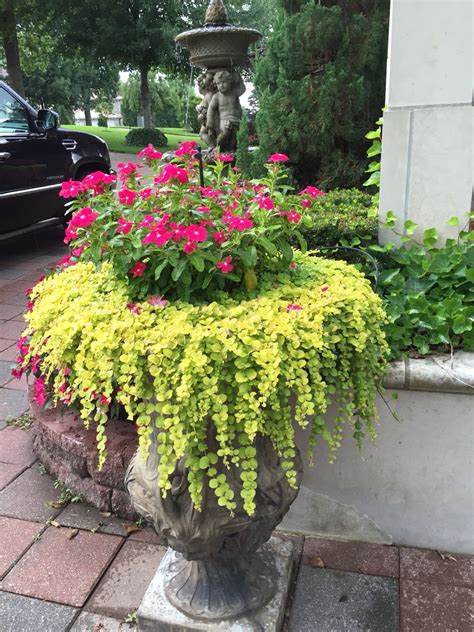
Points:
(115, 137)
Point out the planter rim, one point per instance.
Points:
(439, 373)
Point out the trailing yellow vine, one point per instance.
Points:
(312, 336)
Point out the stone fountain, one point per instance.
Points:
(219, 49)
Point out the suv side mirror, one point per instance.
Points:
(47, 120)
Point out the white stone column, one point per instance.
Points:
(427, 149)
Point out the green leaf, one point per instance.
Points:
(387, 276)
(268, 245)
(301, 240)
(197, 261)
(410, 227)
(374, 179)
(454, 221)
(159, 269)
(248, 256)
(375, 149)
(376, 133)
(179, 269)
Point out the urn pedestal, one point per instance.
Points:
(220, 572)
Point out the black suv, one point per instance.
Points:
(35, 158)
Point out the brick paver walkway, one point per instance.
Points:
(71, 568)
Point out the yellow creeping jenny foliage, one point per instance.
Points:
(245, 363)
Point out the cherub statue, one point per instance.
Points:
(224, 111)
(207, 88)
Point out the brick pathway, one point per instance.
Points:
(73, 569)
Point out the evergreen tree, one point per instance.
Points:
(320, 85)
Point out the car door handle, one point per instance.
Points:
(69, 144)
(4, 155)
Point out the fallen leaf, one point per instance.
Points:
(105, 514)
(71, 533)
(56, 504)
(446, 556)
(53, 523)
(131, 528)
(316, 562)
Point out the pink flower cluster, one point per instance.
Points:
(149, 153)
(95, 183)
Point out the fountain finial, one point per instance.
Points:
(216, 13)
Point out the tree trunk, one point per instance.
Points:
(145, 96)
(12, 53)
(87, 114)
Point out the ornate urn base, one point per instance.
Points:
(216, 568)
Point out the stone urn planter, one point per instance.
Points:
(216, 567)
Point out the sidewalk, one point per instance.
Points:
(66, 567)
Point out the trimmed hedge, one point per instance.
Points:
(142, 136)
(341, 214)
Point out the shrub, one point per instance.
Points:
(427, 292)
(142, 136)
(102, 121)
(341, 215)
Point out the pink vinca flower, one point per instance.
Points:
(84, 218)
(70, 189)
(40, 391)
(189, 247)
(187, 148)
(150, 153)
(278, 158)
(219, 237)
(158, 237)
(265, 202)
(124, 226)
(294, 217)
(126, 196)
(312, 192)
(138, 269)
(195, 232)
(172, 172)
(225, 265)
(291, 307)
(157, 301)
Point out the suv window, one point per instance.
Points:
(13, 116)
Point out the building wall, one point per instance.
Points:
(416, 486)
(427, 150)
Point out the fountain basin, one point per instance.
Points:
(218, 46)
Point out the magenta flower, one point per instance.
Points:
(70, 189)
(219, 237)
(195, 232)
(291, 307)
(83, 218)
(225, 158)
(265, 202)
(135, 309)
(187, 148)
(294, 217)
(278, 158)
(40, 391)
(203, 209)
(126, 196)
(138, 269)
(157, 236)
(172, 172)
(124, 226)
(157, 300)
(150, 153)
(312, 192)
(225, 265)
(146, 193)
(189, 247)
